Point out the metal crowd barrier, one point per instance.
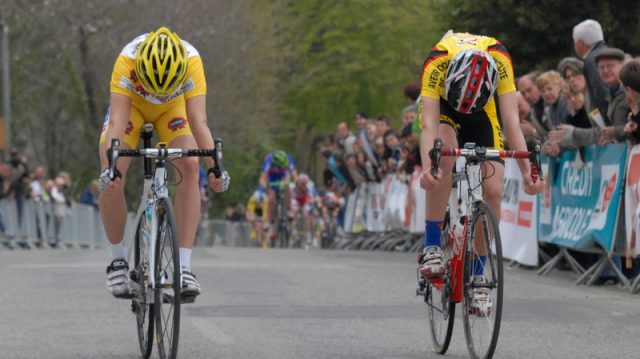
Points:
(82, 227)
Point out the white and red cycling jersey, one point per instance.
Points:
(304, 195)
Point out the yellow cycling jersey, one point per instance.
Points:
(257, 204)
(167, 114)
(124, 81)
(435, 66)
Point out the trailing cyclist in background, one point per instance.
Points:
(278, 169)
(256, 209)
(304, 207)
(157, 78)
(460, 77)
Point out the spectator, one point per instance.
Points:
(579, 130)
(392, 144)
(609, 61)
(90, 195)
(587, 39)
(556, 112)
(345, 139)
(19, 185)
(409, 141)
(382, 125)
(409, 115)
(5, 173)
(366, 142)
(61, 206)
(629, 76)
(532, 128)
(412, 92)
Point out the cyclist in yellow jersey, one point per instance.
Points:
(460, 78)
(157, 78)
(256, 210)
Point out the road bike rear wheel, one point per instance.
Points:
(441, 310)
(143, 310)
(482, 318)
(168, 286)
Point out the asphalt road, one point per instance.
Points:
(298, 304)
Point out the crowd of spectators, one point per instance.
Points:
(591, 99)
(373, 149)
(18, 184)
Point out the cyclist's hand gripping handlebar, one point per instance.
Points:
(218, 168)
(434, 155)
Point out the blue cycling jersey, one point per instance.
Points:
(275, 173)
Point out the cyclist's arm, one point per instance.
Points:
(263, 179)
(197, 117)
(118, 119)
(430, 123)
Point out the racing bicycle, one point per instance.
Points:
(155, 271)
(471, 248)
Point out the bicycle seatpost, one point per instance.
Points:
(217, 168)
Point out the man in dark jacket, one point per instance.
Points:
(587, 39)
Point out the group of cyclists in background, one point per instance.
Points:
(309, 214)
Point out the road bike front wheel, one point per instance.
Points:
(483, 284)
(168, 284)
(441, 310)
(142, 309)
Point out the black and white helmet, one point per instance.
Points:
(471, 80)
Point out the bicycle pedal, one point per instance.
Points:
(421, 291)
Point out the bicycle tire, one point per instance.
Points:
(482, 326)
(168, 286)
(143, 311)
(441, 312)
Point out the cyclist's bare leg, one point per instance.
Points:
(187, 199)
(113, 206)
(437, 200)
(492, 193)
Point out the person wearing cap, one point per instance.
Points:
(587, 39)
(609, 61)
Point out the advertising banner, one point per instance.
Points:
(632, 199)
(584, 197)
(518, 219)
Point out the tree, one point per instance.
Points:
(343, 56)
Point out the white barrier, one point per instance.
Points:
(518, 220)
(632, 201)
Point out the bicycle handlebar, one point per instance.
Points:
(482, 153)
(114, 152)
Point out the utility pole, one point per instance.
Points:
(6, 85)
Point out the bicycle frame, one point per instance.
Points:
(154, 189)
(459, 244)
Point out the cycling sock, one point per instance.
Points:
(478, 265)
(432, 233)
(117, 251)
(185, 258)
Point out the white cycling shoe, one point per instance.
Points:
(431, 263)
(481, 298)
(118, 278)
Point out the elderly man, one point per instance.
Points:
(609, 61)
(587, 39)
